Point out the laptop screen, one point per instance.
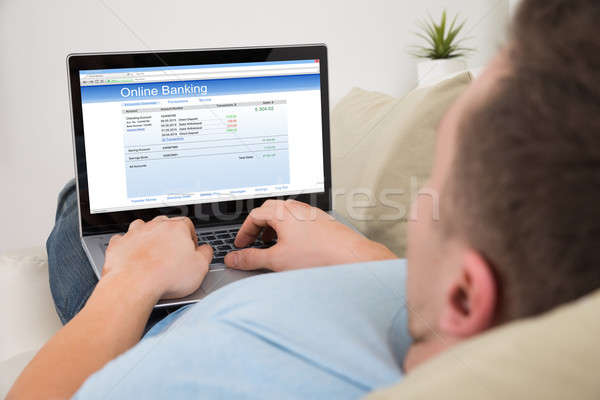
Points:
(168, 136)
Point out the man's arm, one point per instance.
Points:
(158, 259)
(306, 237)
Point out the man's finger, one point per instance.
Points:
(114, 239)
(296, 203)
(138, 223)
(205, 252)
(249, 259)
(301, 211)
(159, 218)
(258, 219)
(189, 224)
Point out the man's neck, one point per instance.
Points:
(420, 352)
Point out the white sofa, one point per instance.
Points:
(28, 315)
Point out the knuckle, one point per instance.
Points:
(113, 241)
(159, 218)
(136, 222)
(177, 221)
(185, 221)
(297, 204)
(272, 202)
(171, 222)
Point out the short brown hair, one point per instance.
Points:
(525, 183)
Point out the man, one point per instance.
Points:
(517, 167)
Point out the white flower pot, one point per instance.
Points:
(434, 71)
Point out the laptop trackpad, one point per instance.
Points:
(214, 280)
(217, 279)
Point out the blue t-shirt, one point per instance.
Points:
(331, 332)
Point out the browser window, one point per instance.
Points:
(164, 136)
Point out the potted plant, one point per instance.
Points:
(443, 52)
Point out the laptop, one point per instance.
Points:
(208, 134)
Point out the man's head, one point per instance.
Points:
(517, 169)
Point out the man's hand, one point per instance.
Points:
(306, 237)
(163, 253)
(158, 259)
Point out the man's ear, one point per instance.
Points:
(471, 299)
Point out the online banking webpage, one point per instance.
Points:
(165, 136)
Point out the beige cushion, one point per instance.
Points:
(28, 315)
(555, 356)
(382, 148)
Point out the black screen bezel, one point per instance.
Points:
(201, 214)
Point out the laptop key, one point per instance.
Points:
(222, 236)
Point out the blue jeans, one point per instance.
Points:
(72, 278)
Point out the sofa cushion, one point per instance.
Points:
(28, 318)
(382, 152)
(31, 318)
(555, 356)
(11, 369)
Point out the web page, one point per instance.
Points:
(195, 134)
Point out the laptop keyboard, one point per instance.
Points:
(221, 240)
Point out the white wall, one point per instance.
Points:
(367, 44)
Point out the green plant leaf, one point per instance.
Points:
(453, 23)
(429, 31)
(453, 33)
(442, 31)
(426, 38)
(442, 39)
